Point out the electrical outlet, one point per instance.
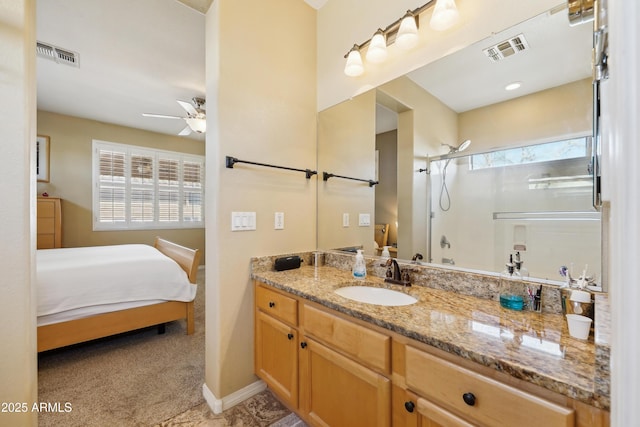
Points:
(278, 221)
(364, 220)
(345, 219)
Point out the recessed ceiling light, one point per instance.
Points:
(513, 86)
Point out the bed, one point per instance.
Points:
(94, 292)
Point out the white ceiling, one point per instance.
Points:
(465, 80)
(557, 54)
(136, 56)
(140, 56)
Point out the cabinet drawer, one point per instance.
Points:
(277, 305)
(367, 346)
(45, 241)
(46, 209)
(492, 404)
(46, 225)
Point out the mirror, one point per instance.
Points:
(461, 96)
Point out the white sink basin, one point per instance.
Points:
(377, 296)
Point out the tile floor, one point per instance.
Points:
(261, 410)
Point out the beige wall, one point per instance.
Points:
(18, 366)
(346, 146)
(71, 177)
(261, 84)
(546, 115)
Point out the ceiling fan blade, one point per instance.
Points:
(185, 131)
(162, 116)
(188, 108)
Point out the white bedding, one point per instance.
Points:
(77, 282)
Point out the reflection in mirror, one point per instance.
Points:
(459, 97)
(540, 208)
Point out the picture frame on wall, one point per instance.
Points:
(42, 158)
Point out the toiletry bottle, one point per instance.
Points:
(359, 267)
(385, 255)
(509, 286)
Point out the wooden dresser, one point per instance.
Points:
(49, 223)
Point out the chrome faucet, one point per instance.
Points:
(397, 276)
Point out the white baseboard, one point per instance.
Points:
(219, 405)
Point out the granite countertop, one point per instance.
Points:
(535, 347)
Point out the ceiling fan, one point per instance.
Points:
(196, 116)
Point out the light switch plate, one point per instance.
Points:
(364, 220)
(243, 221)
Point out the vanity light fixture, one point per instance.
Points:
(403, 32)
(377, 51)
(407, 37)
(354, 67)
(445, 15)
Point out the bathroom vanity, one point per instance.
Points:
(448, 359)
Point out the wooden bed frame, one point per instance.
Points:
(103, 325)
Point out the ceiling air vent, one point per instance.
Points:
(507, 48)
(59, 55)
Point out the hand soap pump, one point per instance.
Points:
(359, 266)
(509, 296)
(385, 255)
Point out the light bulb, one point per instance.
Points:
(354, 65)
(445, 15)
(377, 51)
(196, 124)
(407, 36)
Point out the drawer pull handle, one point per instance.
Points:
(290, 336)
(469, 399)
(303, 344)
(409, 406)
(272, 304)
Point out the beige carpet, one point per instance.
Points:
(135, 379)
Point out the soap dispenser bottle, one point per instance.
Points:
(509, 296)
(384, 257)
(359, 266)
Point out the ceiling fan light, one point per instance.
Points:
(377, 51)
(407, 36)
(354, 67)
(196, 124)
(445, 15)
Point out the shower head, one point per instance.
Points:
(464, 145)
(459, 148)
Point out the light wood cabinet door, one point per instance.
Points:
(432, 415)
(276, 357)
(336, 391)
(404, 408)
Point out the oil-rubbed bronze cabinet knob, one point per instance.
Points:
(469, 399)
(409, 406)
(272, 304)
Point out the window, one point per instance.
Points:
(142, 188)
(558, 150)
